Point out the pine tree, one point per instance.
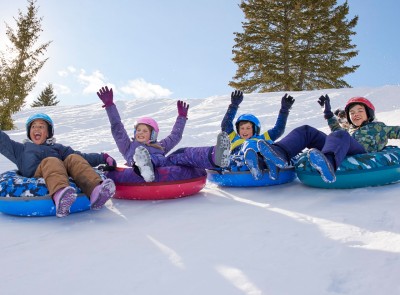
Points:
(46, 98)
(21, 65)
(293, 45)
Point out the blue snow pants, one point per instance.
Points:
(338, 143)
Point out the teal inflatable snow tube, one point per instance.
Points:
(362, 170)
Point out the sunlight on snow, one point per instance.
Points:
(109, 205)
(225, 194)
(171, 254)
(239, 280)
(349, 234)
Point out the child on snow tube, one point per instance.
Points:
(244, 137)
(326, 152)
(144, 152)
(41, 157)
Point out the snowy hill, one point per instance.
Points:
(281, 240)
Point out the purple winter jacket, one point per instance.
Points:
(127, 146)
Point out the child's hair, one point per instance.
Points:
(249, 118)
(342, 118)
(340, 113)
(155, 145)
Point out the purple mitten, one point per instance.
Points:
(109, 161)
(106, 96)
(183, 108)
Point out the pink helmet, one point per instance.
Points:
(149, 122)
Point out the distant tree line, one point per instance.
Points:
(286, 45)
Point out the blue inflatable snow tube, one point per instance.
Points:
(22, 196)
(245, 179)
(362, 170)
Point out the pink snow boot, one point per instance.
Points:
(63, 199)
(101, 194)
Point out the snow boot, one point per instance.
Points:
(318, 160)
(222, 150)
(101, 194)
(64, 198)
(251, 160)
(270, 152)
(142, 160)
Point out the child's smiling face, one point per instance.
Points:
(143, 133)
(358, 114)
(39, 131)
(246, 130)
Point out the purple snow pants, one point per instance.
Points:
(168, 173)
(339, 143)
(197, 157)
(184, 163)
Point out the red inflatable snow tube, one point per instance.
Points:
(160, 190)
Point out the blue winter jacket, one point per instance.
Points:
(237, 142)
(127, 146)
(27, 156)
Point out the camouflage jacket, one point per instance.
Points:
(373, 136)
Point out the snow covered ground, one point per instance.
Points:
(281, 240)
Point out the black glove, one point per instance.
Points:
(287, 102)
(236, 97)
(325, 102)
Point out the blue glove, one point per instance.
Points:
(236, 97)
(287, 102)
(183, 108)
(106, 96)
(325, 102)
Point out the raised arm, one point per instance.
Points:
(325, 102)
(227, 121)
(10, 148)
(175, 136)
(118, 131)
(287, 102)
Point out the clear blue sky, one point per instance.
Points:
(179, 49)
